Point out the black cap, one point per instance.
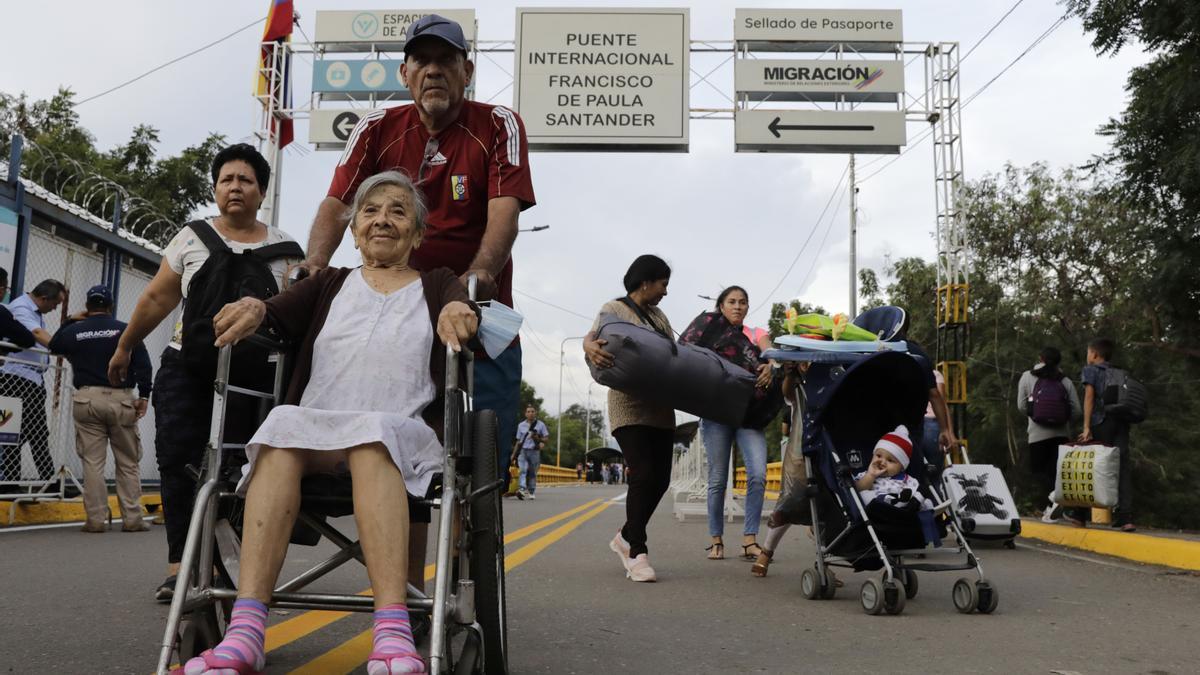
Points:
(435, 25)
(100, 294)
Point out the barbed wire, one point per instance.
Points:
(71, 180)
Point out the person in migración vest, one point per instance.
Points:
(105, 414)
(345, 413)
(645, 431)
(471, 161)
(183, 400)
(21, 377)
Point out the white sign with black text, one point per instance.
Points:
(601, 79)
(824, 80)
(359, 29)
(866, 30)
(876, 131)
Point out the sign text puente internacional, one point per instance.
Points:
(596, 79)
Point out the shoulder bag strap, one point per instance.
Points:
(280, 249)
(208, 235)
(645, 317)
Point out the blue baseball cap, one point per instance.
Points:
(100, 293)
(436, 26)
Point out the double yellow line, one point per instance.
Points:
(355, 651)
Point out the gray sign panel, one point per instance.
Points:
(800, 30)
(328, 129)
(358, 30)
(881, 132)
(824, 80)
(603, 79)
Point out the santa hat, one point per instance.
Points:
(897, 443)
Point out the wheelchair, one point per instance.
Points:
(466, 612)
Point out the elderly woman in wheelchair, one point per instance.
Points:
(371, 344)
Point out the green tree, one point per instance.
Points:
(1053, 265)
(162, 192)
(529, 397)
(1156, 147)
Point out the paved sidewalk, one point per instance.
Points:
(1156, 547)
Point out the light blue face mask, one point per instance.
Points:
(498, 326)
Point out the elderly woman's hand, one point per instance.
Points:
(764, 375)
(238, 320)
(456, 324)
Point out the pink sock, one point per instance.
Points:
(243, 642)
(393, 650)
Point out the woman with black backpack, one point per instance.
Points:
(1049, 399)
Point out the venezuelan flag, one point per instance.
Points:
(279, 30)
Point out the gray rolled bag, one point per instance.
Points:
(653, 367)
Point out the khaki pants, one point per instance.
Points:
(106, 415)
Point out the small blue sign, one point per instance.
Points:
(373, 76)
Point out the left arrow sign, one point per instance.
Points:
(343, 124)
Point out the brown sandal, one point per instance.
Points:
(716, 551)
(759, 568)
(747, 555)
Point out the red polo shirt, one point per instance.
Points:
(481, 156)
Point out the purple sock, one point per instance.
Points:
(393, 650)
(243, 641)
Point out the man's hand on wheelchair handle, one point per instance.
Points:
(238, 320)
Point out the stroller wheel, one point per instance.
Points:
(872, 596)
(894, 596)
(810, 583)
(910, 584)
(966, 596)
(989, 597)
(829, 587)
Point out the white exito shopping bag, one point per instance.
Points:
(1087, 475)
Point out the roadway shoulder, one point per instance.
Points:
(1181, 552)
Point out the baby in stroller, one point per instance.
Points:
(885, 480)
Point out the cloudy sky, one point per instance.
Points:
(717, 216)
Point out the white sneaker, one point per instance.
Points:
(530, 495)
(620, 547)
(521, 493)
(639, 569)
(1050, 515)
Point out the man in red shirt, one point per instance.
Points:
(471, 161)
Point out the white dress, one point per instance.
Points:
(369, 383)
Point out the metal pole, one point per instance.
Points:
(853, 240)
(587, 427)
(562, 353)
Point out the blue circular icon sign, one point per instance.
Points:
(365, 25)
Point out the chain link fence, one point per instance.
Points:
(23, 463)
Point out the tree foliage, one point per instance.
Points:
(1056, 262)
(63, 155)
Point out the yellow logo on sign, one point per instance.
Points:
(5, 416)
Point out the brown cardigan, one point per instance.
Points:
(298, 314)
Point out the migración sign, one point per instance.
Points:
(800, 30)
(874, 131)
(601, 79)
(824, 80)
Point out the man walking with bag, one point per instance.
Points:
(1105, 422)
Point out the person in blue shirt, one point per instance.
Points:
(11, 330)
(21, 377)
(531, 436)
(105, 414)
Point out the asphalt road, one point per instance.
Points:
(78, 603)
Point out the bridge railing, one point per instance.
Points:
(556, 475)
(774, 477)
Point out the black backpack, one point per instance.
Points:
(223, 278)
(1124, 397)
(1049, 403)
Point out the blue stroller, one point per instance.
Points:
(851, 395)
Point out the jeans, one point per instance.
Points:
(498, 388)
(928, 445)
(718, 444)
(648, 454)
(527, 465)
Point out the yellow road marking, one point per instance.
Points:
(286, 632)
(354, 652)
(1167, 551)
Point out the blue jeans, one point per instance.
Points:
(718, 446)
(527, 468)
(498, 388)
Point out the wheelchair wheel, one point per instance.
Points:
(487, 545)
(198, 631)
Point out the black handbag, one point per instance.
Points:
(765, 408)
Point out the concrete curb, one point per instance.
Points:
(1146, 548)
(66, 511)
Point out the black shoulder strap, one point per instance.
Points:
(644, 316)
(212, 240)
(280, 249)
